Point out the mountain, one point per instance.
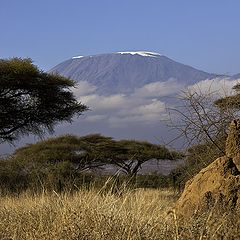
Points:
(122, 72)
(128, 92)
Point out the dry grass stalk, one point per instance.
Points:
(92, 215)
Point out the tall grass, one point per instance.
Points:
(92, 214)
(87, 214)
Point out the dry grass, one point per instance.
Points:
(138, 214)
(91, 214)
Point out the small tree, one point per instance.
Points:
(32, 101)
(91, 152)
(202, 122)
(230, 102)
(58, 162)
(81, 153)
(138, 152)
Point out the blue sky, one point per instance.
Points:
(201, 33)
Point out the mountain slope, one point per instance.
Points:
(125, 71)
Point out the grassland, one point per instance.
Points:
(94, 215)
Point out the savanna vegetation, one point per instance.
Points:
(56, 189)
(32, 101)
(101, 214)
(69, 162)
(203, 121)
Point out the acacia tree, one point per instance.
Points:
(81, 153)
(127, 155)
(137, 153)
(92, 152)
(63, 160)
(32, 101)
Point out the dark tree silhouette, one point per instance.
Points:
(32, 101)
(92, 152)
(138, 152)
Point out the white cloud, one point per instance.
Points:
(96, 118)
(150, 112)
(83, 88)
(100, 102)
(153, 108)
(219, 86)
(121, 109)
(142, 106)
(118, 121)
(141, 114)
(159, 89)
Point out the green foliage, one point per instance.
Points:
(230, 101)
(198, 157)
(93, 151)
(32, 101)
(51, 153)
(65, 161)
(12, 176)
(139, 152)
(153, 181)
(203, 154)
(144, 150)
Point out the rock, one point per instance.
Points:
(233, 142)
(216, 186)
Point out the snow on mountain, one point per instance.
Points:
(142, 53)
(77, 57)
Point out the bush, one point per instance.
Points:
(198, 157)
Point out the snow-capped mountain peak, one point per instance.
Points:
(77, 57)
(123, 72)
(142, 53)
